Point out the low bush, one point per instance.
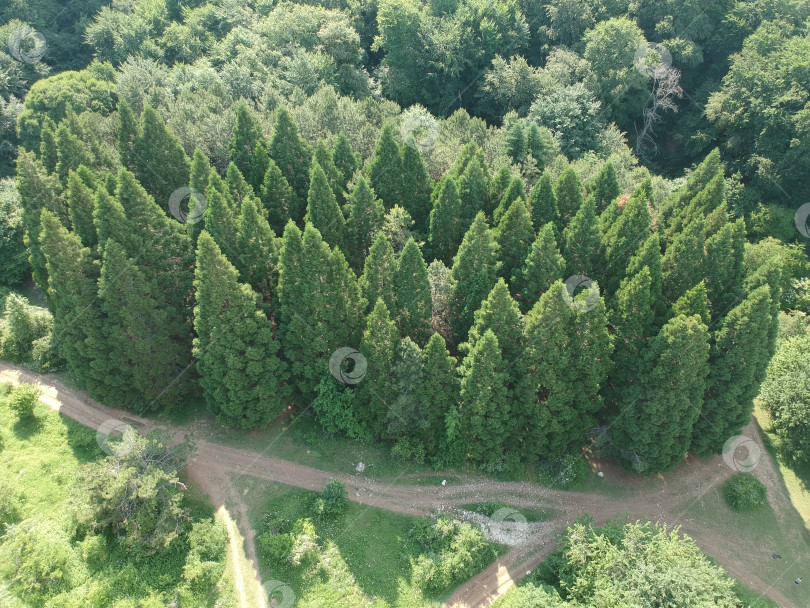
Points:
(744, 492)
(334, 498)
(23, 399)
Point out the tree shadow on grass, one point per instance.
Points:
(27, 427)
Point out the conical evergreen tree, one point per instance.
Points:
(377, 280)
(605, 187)
(514, 235)
(139, 333)
(704, 203)
(414, 305)
(543, 204)
(535, 145)
(38, 191)
(346, 160)
(625, 235)
(293, 156)
(242, 377)
(247, 133)
(698, 180)
(48, 152)
(199, 172)
(609, 216)
(515, 143)
(470, 151)
(738, 362)
(237, 187)
(71, 151)
(160, 164)
(366, 215)
(220, 223)
(581, 241)
(322, 209)
(542, 267)
(110, 222)
(649, 255)
(724, 267)
(445, 222)
(406, 420)
(80, 206)
(319, 303)
(716, 220)
(694, 302)
(259, 163)
(497, 188)
(567, 359)
(513, 192)
(683, 263)
(278, 198)
(258, 252)
(416, 188)
(440, 391)
(632, 321)
(386, 170)
(128, 128)
(568, 191)
(377, 391)
(78, 324)
(501, 314)
(670, 392)
(323, 156)
(475, 270)
(484, 400)
(473, 191)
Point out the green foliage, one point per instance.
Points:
(377, 280)
(246, 135)
(744, 492)
(543, 266)
(514, 235)
(416, 188)
(334, 497)
(568, 194)
(335, 410)
(412, 294)
(323, 212)
(386, 169)
(543, 204)
(446, 225)
(13, 255)
(23, 399)
(23, 326)
(292, 155)
(365, 220)
(785, 395)
(377, 390)
(580, 242)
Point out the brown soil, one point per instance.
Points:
(665, 498)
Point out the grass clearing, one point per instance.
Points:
(41, 460)
(365, 554)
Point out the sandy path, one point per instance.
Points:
(660, 498)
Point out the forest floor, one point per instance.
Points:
(687, 497)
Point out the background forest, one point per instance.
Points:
(429, 184)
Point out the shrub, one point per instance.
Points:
(23, 399)
(744, 492)
(24, 325)
(10, 505)
(45, 354)
(334, 498)
(567, 472)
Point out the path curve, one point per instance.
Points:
(687, 483)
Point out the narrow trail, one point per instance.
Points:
(665, 498)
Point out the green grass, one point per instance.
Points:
(531, 515)
(42, 459)
(757, 535)
(365, 557)
(797, 479)
(753, 599)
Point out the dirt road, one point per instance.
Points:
(663, 498)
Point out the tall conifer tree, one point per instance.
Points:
(414, 306)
